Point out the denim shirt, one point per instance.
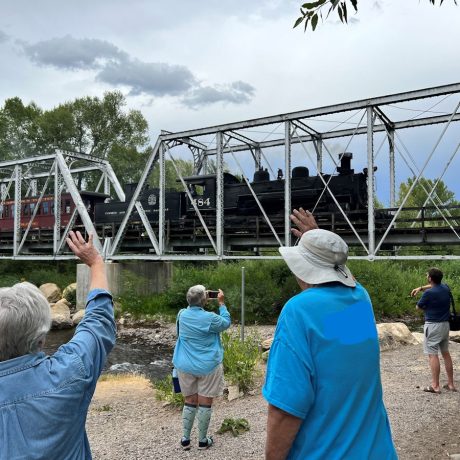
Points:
(198, 349)
(44, 400)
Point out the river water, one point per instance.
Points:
(127, 357)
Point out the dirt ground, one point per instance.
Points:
(126, 422)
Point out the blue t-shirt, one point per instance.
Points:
(324, 367)
(198, 349)
(435, 303)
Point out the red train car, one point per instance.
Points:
(44, 218)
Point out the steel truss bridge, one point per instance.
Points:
(379, 234)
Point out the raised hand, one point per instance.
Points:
(303, 220)
(85, 251)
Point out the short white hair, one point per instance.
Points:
(196, 295)
(25, 318)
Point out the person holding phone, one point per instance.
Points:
(198, 357)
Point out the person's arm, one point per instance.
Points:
(222, 321)
(282, 429)
(416, 290)
(89, 255)
(95, 335)
(303, 220)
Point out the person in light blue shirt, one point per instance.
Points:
(44, 400)
(323, 374)
(198, 357)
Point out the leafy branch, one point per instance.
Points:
(311, 12)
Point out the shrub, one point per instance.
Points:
(240, 360)
(164, 392)
(235, 425)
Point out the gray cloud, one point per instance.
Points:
(154, 78)
(3, 37)
(115, 67)
(73, 53)
(237, 92)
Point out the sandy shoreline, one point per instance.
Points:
(126, 422)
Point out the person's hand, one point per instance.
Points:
(303, 220)
(221, 297)
(85, 251)
(415, 291)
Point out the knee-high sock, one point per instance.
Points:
(188, 416)
(204, 417)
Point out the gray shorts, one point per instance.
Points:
(209, 386)
(436, 338)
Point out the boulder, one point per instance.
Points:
(454, 336)
(266, 344)
(70, 292)
(51, 291)
(418, 336)
(78, 316)
(392, 335)
(60, 315)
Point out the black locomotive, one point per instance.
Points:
(242, 215)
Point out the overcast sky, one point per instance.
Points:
(190, 64)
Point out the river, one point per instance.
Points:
(127, 356)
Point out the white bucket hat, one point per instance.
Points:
(319, 258)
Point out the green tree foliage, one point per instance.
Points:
(172, 181)
(100, 127)
(311, 12)
(418, 199)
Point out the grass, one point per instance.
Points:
(236, 426)
(164, 392)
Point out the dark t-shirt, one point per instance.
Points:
(435, 303)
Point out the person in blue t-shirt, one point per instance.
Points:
(323, 374)
(198, 357)
(435, 303)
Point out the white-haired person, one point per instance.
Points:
(323, 374)
(44, 399)
(198, 357)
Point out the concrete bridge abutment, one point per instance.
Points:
(134, 278)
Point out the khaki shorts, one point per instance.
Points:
(436, 338)
(210, 385)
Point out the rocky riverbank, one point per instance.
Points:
(126, 422)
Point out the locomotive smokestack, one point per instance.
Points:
(345, 164)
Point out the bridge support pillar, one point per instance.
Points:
(134, 278)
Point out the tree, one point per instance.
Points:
(442, 196)
(172, 181)
(311, 12)
(100, 127)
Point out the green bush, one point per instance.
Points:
(164, 392)
(235, 425)
(240, 360)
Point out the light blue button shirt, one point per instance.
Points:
(44, 399)
(198, 348)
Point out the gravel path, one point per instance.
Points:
(125, 422)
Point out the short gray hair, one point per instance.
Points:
(196, 295)
(25, 318)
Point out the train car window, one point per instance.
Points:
(12, 210)
(32, 208)
(67, 206)
(25, 210)
(52, 208)
(1, 211)
(46, 207)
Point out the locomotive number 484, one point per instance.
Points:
(202, 201)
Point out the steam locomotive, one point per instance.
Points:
(244, 223)
(243, 217)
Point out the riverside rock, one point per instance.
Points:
(70, 291)
(78, 316)
(392, 335)
(51, 291)
(60, 315)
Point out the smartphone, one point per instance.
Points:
(212, 294)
